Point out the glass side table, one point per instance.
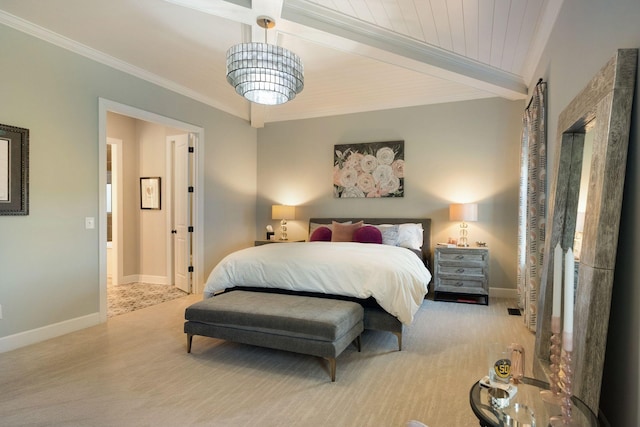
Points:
(528, 395)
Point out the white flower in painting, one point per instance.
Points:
(352, 192)
(348, 177)
(386, 181)
(390, 186)
(369, 163)
(385, 156)
(382, 173)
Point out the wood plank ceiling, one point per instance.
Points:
(359, 55)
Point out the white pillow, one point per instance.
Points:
(389, 233)
(410, 236)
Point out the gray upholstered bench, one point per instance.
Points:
(314, 326)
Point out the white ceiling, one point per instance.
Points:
(359, 55)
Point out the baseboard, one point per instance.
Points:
(44, 333)
(503, 293)
(143, 278)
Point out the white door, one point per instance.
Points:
(181, 212)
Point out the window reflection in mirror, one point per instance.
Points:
(583, 191)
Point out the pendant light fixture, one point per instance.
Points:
(264, 73)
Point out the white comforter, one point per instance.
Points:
(394, 276)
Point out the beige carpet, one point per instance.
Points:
(134, 296)
(134, 371)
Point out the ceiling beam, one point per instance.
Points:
(387, 46)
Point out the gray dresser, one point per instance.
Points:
(461, 275)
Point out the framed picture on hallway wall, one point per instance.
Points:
(371, 170)
(150, 192)
(14, 170)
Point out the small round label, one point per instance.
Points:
(502, 368)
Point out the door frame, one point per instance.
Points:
(105, 106)
(170, 204)
(117, 236)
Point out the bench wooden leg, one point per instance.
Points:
(358, 343)
(332, 368)
(189, 340)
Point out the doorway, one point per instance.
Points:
(193, 213)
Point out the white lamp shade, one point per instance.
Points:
(283, 212)
(463, 212)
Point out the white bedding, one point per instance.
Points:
(394, 276)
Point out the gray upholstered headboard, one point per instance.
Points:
(426, 227)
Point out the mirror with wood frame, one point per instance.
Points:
(603, 108)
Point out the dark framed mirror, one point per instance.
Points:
(587, 217)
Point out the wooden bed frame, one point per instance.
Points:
(375, 317)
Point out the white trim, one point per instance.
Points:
(117, 214)
(37, 335)
(108, 60)
(542, 34)
(169, 185)
(104, 106)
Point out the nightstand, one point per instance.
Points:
(461, 275)
(266, 242)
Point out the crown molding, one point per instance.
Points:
(108, 60)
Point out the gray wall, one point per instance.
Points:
(585, 36)
(456, 152)
(48, 261)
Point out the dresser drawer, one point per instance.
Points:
(457, 257)
(461, 285)
(460, 270)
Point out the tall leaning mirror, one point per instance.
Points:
(584, 214)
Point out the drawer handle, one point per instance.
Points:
(460, 257)
(459, 283)
(460, 270)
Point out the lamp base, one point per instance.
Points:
(283, 230)
(462, 241)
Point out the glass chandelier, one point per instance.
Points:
(264, 73)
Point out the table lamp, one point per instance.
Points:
(283, 212)
(463, 212)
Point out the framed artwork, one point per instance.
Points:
(14, 170)
(372, 170)
(150, 192)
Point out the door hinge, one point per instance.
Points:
(190, 229)
(191, 189)
(190, 269)
(191, 149)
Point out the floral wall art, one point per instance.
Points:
(373, 169)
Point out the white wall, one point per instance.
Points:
(586, 35)
(456, 152)
(48, 261)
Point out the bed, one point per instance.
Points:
(390, 297)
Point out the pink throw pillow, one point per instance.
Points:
(367, 234)
(344, 232)
(321, 234)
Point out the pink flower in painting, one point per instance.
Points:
(398, 168)
(354, 161)
(337, 173)
(366, 182)
(375, 192)
(348, 177)
(385, 156)
(369, 163)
